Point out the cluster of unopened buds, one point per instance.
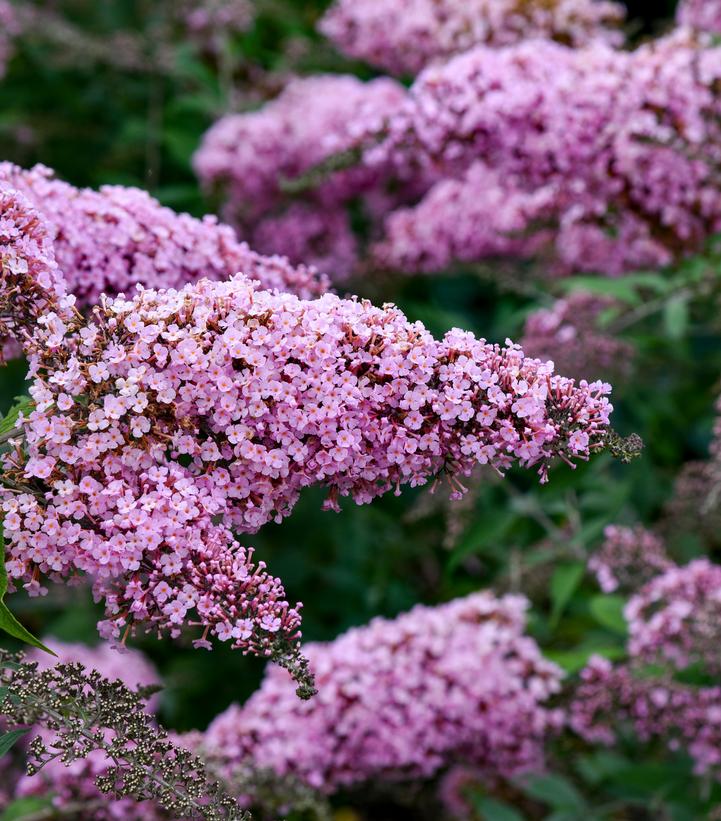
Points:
(75, 784)
(96, 754)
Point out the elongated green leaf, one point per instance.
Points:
(574, 660)
(608, 612)
(620, 289)
(554, 790)
(24, 405)
(488, 530)
(24, 807)
(492, 810)
(10, 739)
(564, 584)
(676, 317)
(8, 622)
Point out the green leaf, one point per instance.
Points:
(600, 765)
(554, 790)
(620, 289)
(492, 810)
(8, 622)
(676, 316)
(24, 405)
(608, 612)
(571, 661)
(12, 626)
(490, 529)
(25, 806)
(564, 584)
(10, 739)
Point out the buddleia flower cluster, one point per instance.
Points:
(32, 289)
(251, 159)
(673, 622)
(702, 15)
(684, 718)
(627, 558)
(676, 617)
(110, 240)
(403, 36)
(624, 139)
(403, 699)
(571, 334)
(248, 155)
(168, 419)
(593, 158)
(100, 724)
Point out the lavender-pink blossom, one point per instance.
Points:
(321, 237)
(164, 414)
(402, 699)
(702, 15)
(628, 558)
(624, 144)
(682, 716)
(571, 335)
(676, 617)
(403, 36)
(108, 241)
(248, 155)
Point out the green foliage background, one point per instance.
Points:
(95, 121)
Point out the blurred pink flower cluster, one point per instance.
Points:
(702, 15)
(403, 36)
(321, 236)
(676, 617)
(248, 156)
(674, 620)
(403, 699)
(622, 145)
(628, 558)
(570, 334)
(592, 159)
(110, 240)
(9, 29)
(681, 716)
